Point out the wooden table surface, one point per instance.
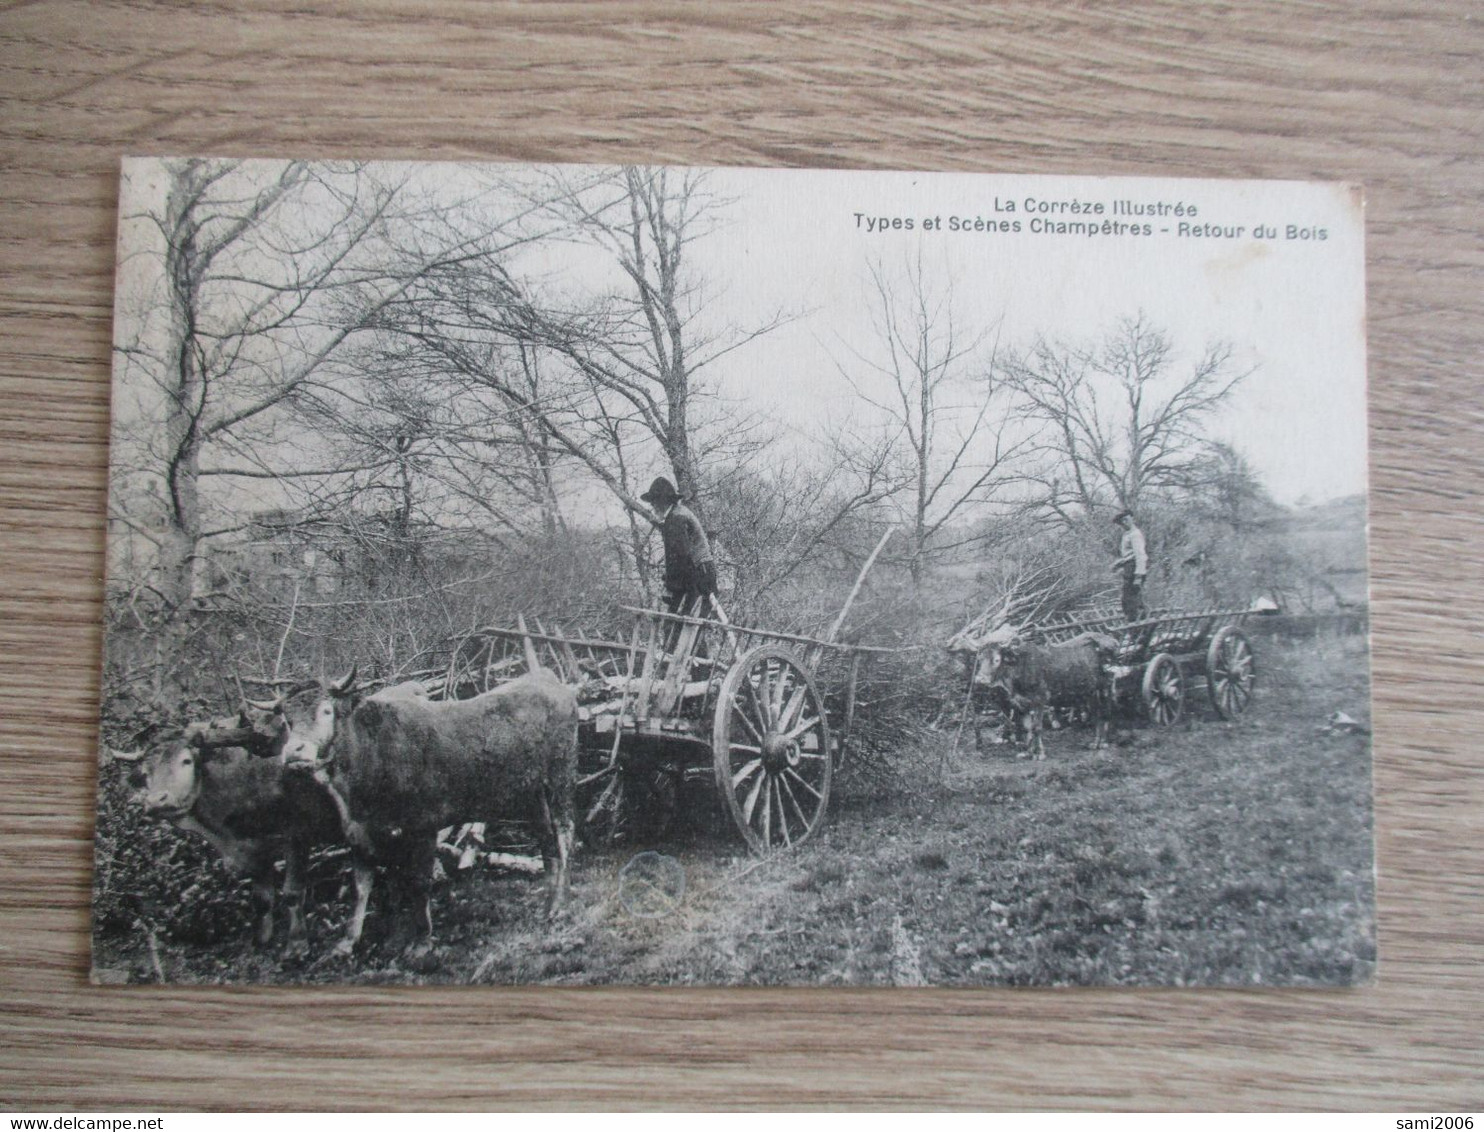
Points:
(1387, 94)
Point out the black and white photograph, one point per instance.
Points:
(577, 575)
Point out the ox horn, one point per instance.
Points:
(271, 706)
(126, 756)
(343, 686)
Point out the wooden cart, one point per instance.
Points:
(688, 697)
(1158, 655)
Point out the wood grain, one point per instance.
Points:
(1387, 94)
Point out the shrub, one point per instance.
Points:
(148, 871)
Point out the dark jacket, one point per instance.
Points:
(688, 561)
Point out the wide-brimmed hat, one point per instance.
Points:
(662, 491)
(1121, 516)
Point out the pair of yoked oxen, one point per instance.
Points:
(1025, 680)
(381, 773)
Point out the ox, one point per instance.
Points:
(1030, 679)
(244, 808)
(972, 651)
(398, 767)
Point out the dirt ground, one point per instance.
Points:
(1208, 853)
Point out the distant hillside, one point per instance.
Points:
(1330, 538)
(1346, 514)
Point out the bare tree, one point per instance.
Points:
(800, 514)
(645, 346)
(1119, 420)
(1227, 489)
(609, 379)
(943, 412)
(251, 278)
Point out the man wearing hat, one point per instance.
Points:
(1133, 560)
(690, 570)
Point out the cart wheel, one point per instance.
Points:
(1231, 670)
(1164, 690)
(771, 748)
(626, 805)
(600, 806)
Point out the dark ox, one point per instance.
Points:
(245, 808)
(1031, 679)
(399, 767)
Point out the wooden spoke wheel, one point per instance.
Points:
(625, 804)
(1231, 671)
(1163, 690)
(771, 748)
(600, 805)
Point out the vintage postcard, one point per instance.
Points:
(642, 575)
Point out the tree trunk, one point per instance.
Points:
(924, 453)
(677, 448)
(641, 565)
(175, 580)
(177, 566)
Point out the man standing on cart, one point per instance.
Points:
(690, 569)
(1133, 560)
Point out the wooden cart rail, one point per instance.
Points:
(492, 654)
(1156, 625)
(752, 635)
(555, 637)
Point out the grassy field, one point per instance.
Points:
(1209, 853)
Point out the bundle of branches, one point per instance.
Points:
(1025, 597)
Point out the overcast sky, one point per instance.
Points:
(797, 241)
(1292, 308)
